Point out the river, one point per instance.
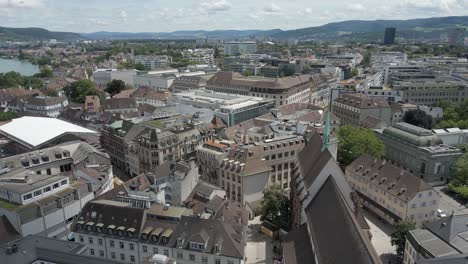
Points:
(23, 67)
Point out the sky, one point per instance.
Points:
(172, 15)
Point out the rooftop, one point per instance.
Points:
(45, 129)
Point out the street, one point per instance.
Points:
(448, 204)
(381, 238)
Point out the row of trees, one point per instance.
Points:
(14, 80)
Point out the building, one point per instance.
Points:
(153, 61)
(287, 90)
(430, 92)
(7, 96)
(200, 56)
(187, 83)
(352, 109)
(150, 96)
(419, 151)
(161, 79)
(238, 48)
(438, 241)
(31, 133)
(92, 104)
(391, 192)
(209, 158)
(452, 136)
(41, 250)
(42, 193)
(103, 76)
(231, 108)
(41, 105)
(120, 105)
(321, 201)
(389, 38)
(456, 37)
(118, 232)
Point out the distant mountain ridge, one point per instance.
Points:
(358, 30)
(25, 34)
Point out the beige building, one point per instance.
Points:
(287, 90)
(430, 92)
(392, 193)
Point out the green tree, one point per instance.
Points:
(52, 93)
(247, 73)
(5, 116)
(398, 236)
(11, 80)
(114, 87)
(355, 72)
(274, 206)
(77, 91)
(418, 118)
(354, 142)
(46, 72)
(307, 69)
(461, 171)
(140, 67)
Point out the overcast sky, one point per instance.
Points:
(172, 15)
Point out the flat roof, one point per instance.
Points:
(35, 131)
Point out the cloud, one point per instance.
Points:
(21, 3)
(215, 6)
(355, 7)
(124, 16)
(446, 6)
(306, 11)
(272, 8)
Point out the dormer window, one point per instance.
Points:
(217, 248)
(78, 226)
(154, 238)
(180, 242)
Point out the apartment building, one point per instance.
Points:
(120, 105)
(187, 83)
(286, 90)
(209, 157)
(41, 192)
(153, 62)
(249, 169)
(150, 96)
(439, 241)
(238, 48)
(353, 109)
(92, 104)
(41, 105)
(419, 151)
(391, 192)
(123, 234)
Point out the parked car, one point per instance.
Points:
(441, 213)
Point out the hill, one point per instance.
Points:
(365, 30)
(21, 34)
(188, 34)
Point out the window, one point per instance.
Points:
(230, 262)
(37, 193)
(91, 252)
(100, 241)
(122, 256)
(413, 206)
(101, 253)
(81, 239)
(155, 250)
(217, 261)
(145, 249)
(27, 196)
(111, 243)
(112, 255)
(121, 245)
(132, 258)
(192, 257)
(56, 185)
(90, 239)
(49, 172)
(180, 255)
(204, 259)
(166, 252)
(63, 182)
(132, 247)
(47, 189)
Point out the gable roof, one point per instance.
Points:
(313, 159)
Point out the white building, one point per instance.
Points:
(102, 76)
(153, 62)
(238, 48)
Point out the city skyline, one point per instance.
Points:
(169, 16)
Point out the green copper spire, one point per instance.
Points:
(326, 131)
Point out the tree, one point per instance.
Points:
(5, 116)
(114, 87)
(11, 79)
(418, 118)
(461, 171)
(355, 72)
(140, 67)
(398, 236)
(77, 91)
(354, 142)
(45, 73)
(274, 206)
(307, 69)
(52, 93)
